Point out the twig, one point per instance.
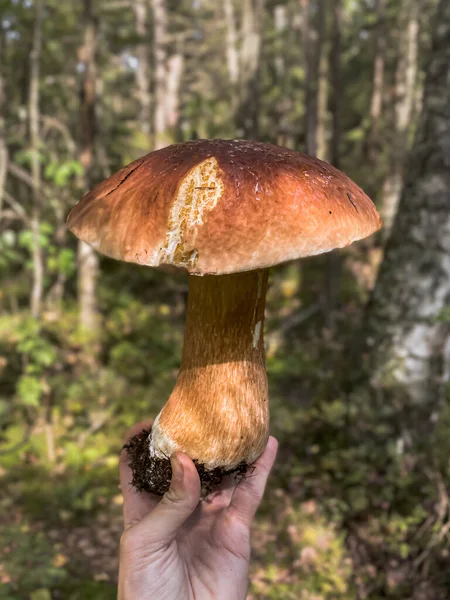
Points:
(24, 176)
(82, 438)
(297, 318)
(3, 170)
(9, 214)
(53, 123)
(16, 207)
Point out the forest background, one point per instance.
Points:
(358, 342)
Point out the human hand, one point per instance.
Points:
(179, 547)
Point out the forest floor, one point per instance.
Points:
(354, 509)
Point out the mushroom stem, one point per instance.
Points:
(218, 412)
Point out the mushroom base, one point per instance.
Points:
(151, 474)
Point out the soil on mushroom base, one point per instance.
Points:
(153, 475)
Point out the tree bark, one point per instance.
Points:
(159, 73)
(336, 83)
(232, 50)
(409, 346)
(175, 66)
(313, 46)
(310, 113)
(33, 116)
(3, 145)
(376, 101)
(281, 108)
(333, 261)
(87, 258)
(140, 8)
(250, 56)
(322, 98)
(405, 94)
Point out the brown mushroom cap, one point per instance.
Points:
(223, 206)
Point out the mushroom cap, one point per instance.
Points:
(223, 206)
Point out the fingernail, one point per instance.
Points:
(177, 468)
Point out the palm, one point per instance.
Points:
(214, 548)
(207, 555)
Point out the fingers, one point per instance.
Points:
(220, 498)
(249, 492)
(161, 525)
(136, 505)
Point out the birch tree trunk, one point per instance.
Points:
(247, 119)
(406, 76)
(33, 116)
(232, 50)
(313, 35)
(159, 10)
(87, 258)
(310, 113)
(140, 8)
(281, 108)
(376, 101)
(333, 260)
(336, 83)
(175, 66)
(322, 90)
(409, 346)
(3, 146)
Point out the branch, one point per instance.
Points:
(25, 177)
(20, 173)
(101, 421)
(297, 318)
(3, 170)
(9, 214)
(16, 207)
(54, 123)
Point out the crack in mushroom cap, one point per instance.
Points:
(223, 206)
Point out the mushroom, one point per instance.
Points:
(225, 211)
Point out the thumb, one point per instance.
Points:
(177, 504)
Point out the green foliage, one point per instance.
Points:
(8, 253)
(37, 351)
(445, 315)
(33, 548)
(357, 506)
(26, 237)
(342, 481)
(61, 261)
(29, 390)
(61, 172)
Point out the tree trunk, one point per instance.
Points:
(409, 345)
(250, 55)
(3, 146)
(87, 258)
(336, 83)
(322, 99)
(310, 113)
(174, 74)
(313, 45)
(140, 8)
(55, 294)
(232, 51)
(333, 261)
(160, 73)
(376, 101)
(281, 108)
(405, 95)
(33, 116)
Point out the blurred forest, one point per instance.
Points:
(358, 342)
